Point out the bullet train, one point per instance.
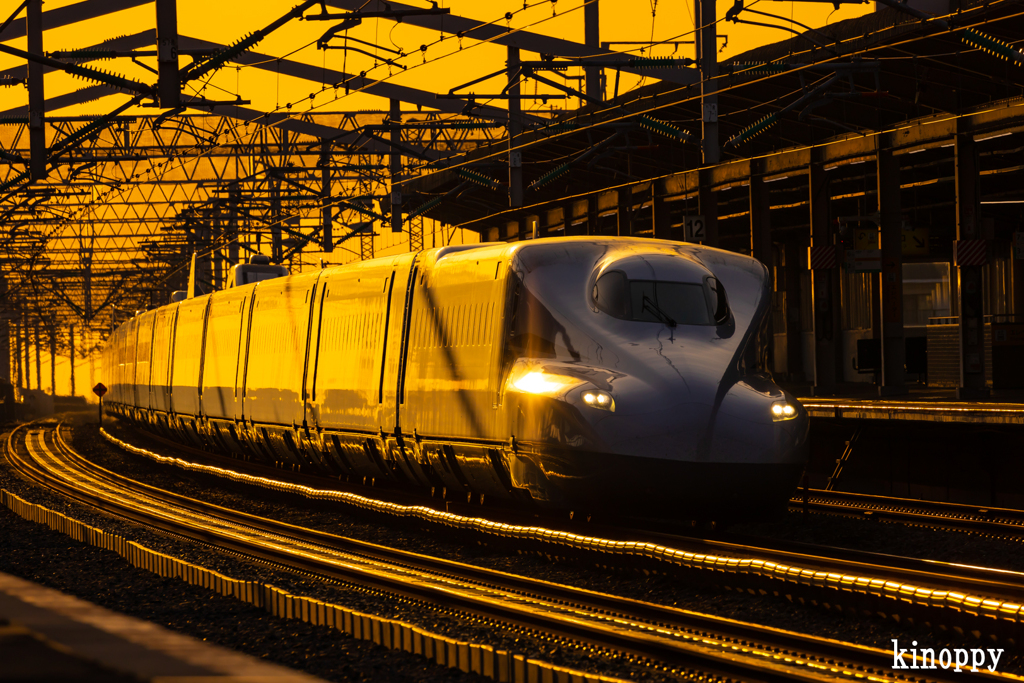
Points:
(579, 373)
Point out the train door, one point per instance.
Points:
(143, 364)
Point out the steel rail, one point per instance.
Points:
(789, 554)
(979, 519)
(666, 635)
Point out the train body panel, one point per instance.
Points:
(187, 354)
(576, 372)
(159, 389)
(348, 380)
(221, 351)
(278, 332)
(451, 384)
(143, 357)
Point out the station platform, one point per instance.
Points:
(46, 635)
(920, 403)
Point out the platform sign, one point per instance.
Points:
(694, 228)
(864, 260)
(915, 242)
(865, 238)
(99, 389)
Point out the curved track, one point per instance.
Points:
(666, 636)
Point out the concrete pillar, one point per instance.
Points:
(660, 215)
(825, 290)
(970, 288)
(707, 203)
(894, 376)
(625, 213)
(795, 252)
(592, 215)
(760, 221)
(761, 248)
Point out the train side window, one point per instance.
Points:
(717, 301)
(611, 294)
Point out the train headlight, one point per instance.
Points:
(542, 383)
(601, 400)
(783, 410)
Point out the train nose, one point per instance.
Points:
(758, 422)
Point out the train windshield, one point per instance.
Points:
(657, 301)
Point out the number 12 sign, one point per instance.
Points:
(694, 228)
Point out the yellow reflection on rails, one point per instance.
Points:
(972, 604)
(104, 485)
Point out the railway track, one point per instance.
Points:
(956, 596)
(685, 642)
(984, 520)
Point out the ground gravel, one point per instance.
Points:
(674, 591)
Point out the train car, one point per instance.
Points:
(589, 374)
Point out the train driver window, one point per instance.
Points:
(671, 303)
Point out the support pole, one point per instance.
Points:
(515, 127)
(19, 333)
(28, 356)
(707, 58)
(970, 287)
(592, 38)
(53, 362)
(71, 356)
(395, 165)
(36, 98)
(6, 366)
(168, 80)
(824, 290)
(326, 210)
(234, 236)
(39, 364)
(894, 376)
(276, 248)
